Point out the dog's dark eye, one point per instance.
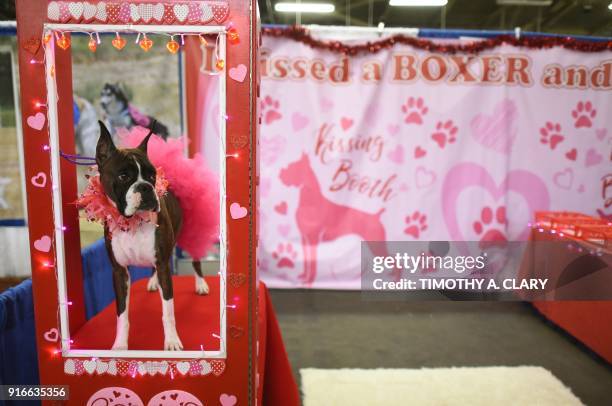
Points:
(122, 177)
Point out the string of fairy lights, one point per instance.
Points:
(119, 42)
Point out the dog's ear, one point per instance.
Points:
(105, 147)
(145, 142)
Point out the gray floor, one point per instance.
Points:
(330, 329)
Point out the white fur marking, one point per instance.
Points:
(201, 285)
(172, 342)
(123, 323)
(135, 247)
(132, 198)
(153, 284)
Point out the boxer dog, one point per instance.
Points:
(128, 179)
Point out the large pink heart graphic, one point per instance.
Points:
(237, 211)
(43, 244)
(238, 73)
(469, 175)
(498, 130)
(37, 121)
(299, 121)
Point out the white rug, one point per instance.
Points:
(486, 386)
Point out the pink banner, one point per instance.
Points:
(410, 145)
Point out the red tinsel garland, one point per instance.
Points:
(302, 34)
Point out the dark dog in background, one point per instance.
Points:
(120, 113)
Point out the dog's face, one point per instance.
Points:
(127, 175)
(112, 99)
(293, 174)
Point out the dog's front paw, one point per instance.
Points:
(173, 344)
(152, 285)
(201, 286)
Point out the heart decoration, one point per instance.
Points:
(419, 152)
(122, 368)
(237, 211)
(346, 123)
(113, 10)
(36, 121)
(157, 367)
(195, 13)
(101, 367)
(43, 244)
(119, 42)
(32, 45)
(146, 44)
(142, 368)
(172, 46)
(53, 11)
(158, 12)
(238, 73)
(220, 11)
(564, 179)
(183, 367)
(69, 367)
(593, 158)
(206, 368)
(424, 178)
(76, 10)
(181, 11)
(39, 180)
(218, 366)
(236, 279)
(195, 369)
(498, 130)
(228, 400)
(168, 14)
(78, 367)
(281, 208)
(236, 331)
(134, 15)
(89, 11)
(101, 14)
(572, 154)
(146, 12)
(207, 13)
(238, 141)
(90, 366)
(124, 13)
(51, 335)
(112, 367)
(299, 121)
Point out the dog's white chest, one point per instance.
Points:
(135, 247)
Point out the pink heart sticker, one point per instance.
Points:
(37, 121)
(237, 211)
(238, 73)
(593, 158)
(51, 335)
(43, 244)
(228, 400)
(39, 180)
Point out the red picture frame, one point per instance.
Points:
(237, 377)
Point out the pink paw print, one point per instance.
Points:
(485, 227)
(551, 134)
(269, 110)
(415, 224)
(414, 109)
(285, 256)
(445, 132)
(584, 114)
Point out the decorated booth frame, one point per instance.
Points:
(55, 151)
(232, 372)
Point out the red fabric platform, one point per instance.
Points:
(197, 318)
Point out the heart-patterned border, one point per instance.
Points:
(138, 12)
(117, 367)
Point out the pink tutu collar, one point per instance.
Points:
(99, 208)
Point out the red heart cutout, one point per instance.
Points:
(236, 332)
(32, 45)
(572, 155)
(281, 208)
(116, 394)
(237, 279)
(174, 396)
(419, 152)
